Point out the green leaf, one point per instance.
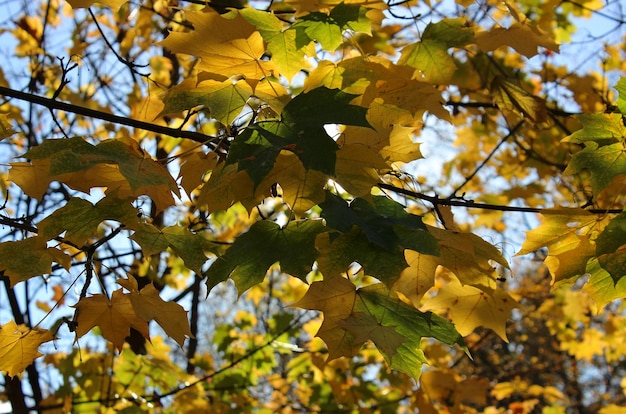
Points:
(603, 163)
(255, 150)
(300, 130)
(288, 50)
(337, 255)
(320, 27)
(119, 164)
(430, 56)
(603, 129)
(408, 321)
(601, 286)
(384, 223)
(264, 244)
(187, 245)
(327, 28)
(352, 17)
(80, 219)
(29, 257)
(621, 99)
(353, 316)
(321, 106)
(266, 23)
(223, 99)
(611, 248)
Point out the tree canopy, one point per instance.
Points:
(313, 206)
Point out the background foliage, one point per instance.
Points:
(300, 206)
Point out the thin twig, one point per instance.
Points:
(434, 200)
(487, 158)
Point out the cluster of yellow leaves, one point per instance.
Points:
(115, 316)
(242, 54)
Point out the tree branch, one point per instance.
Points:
(91, 113)
(437, 201)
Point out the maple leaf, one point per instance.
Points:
(568, 258)
(19, 346)
(469, 257)
(79, 219)
(287, 48)
(357, 167)
(430, 55)
(113, 316)
(604, 163)
(469, 307)
(353, 316)
(418, 278)
(621, 99)
(5, 127)
(523, 37)
(374, 235)
(224, 99)
(300, 130)
(601, 286)
(187, 245)
(337, 253)
(30, 257)
(512, 98)
(603, 129)
(149, 306)
(265, 243)
(194, 168)
(555, 228)
(226, 186)
(327, 29)
(85, 4)
(226, 44)
(611, 247)
(385, 222)
(302, 188)
(82, 165)
(440, 385)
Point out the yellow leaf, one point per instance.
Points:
(33, 179)
(469, 257)
(226, 186)
(469, 307)
(418, 278)
(302, 188)
(149, 306)
(514, 99)
(115, 317)
(450, 388)
(525, 38)
(84, 4)
(555, 228)
(336, 298)
(569, 258)
(194, 167)
(227, 45)
(356, 169)
(18, 346)
(447, 217)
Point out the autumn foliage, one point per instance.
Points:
(300, 206)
